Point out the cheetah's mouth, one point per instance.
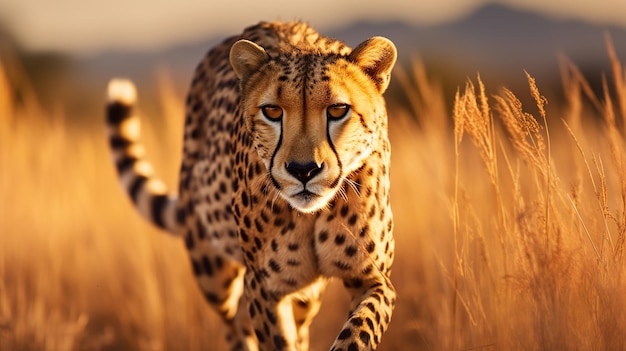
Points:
(307, 201)
(307, 195)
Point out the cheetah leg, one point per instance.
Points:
(221, 281)
(272, 317)
(370, 316)
(305, 307)
(240, 336)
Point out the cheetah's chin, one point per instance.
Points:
(306, 201)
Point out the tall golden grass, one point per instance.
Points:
(510, 227)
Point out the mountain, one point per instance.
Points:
(499, 42)
(495, 40)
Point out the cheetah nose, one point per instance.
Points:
(303, 171)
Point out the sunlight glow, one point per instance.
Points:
(88, 27)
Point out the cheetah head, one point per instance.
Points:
(314, 117)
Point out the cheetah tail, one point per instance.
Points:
(148, 193)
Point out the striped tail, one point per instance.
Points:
(148, 193)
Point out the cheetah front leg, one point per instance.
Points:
(272, 316)
(221, 280)
(306, 304)
(239, 335)
(372, 306)
(281, 321)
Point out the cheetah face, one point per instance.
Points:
(314, 118)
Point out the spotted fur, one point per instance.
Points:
(284, 183)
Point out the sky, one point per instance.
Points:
(85, 27)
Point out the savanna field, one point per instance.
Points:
(510, 223)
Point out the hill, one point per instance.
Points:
(495, 40)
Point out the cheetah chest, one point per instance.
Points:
(288, 250)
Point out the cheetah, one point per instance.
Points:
(284, 182)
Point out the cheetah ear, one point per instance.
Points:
(246, 57)
(376, 56)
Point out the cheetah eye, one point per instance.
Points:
(337, 111)
(272, 112)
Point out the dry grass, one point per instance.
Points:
(510, 227)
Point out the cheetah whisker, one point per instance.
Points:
(342, 193)
(354, 185)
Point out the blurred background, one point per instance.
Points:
(74, 47)
(510, 214)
